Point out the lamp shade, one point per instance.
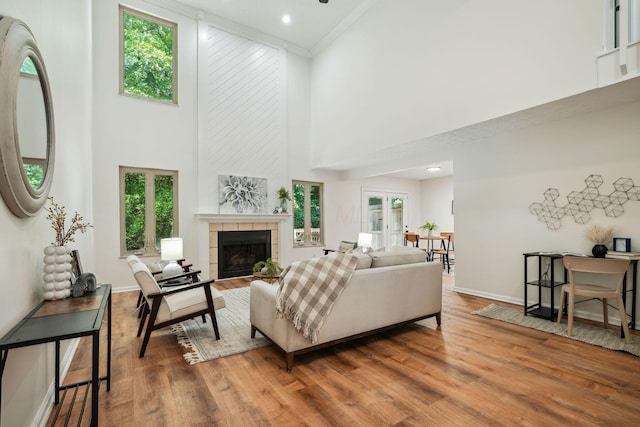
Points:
(171, 249)
(364, 240)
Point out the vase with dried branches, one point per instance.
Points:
(600, 236)
(57, 261)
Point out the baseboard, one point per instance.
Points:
(589, 315)
(42, 416)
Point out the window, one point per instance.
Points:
(148, 209)
(307, 213)
(148, 51)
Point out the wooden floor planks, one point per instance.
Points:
(470, 371)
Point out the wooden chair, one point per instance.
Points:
(412, 238)
(446, 251)
(602, 266)
(165, 308)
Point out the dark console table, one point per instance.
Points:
(54, 321)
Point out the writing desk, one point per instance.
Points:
(54, 321)
(550, 282)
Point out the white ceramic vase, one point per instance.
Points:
(56, 273)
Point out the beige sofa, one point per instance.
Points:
(386, 290)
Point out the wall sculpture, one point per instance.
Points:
(580, 203)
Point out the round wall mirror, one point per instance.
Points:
(27, 140)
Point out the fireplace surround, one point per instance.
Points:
(238, 251)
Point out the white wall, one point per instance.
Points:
(130, 131)
(410, 69)
(436, 197)
(493, 224)
(59, 27)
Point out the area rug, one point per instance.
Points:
(590, 334)
(234, 327)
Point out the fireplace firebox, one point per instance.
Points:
(238, 251)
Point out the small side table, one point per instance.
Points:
(263, 277)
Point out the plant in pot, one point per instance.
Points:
(269, 268)
(429, 226)
(600, 236)
(284, 196)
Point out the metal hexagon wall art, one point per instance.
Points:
(580, 203)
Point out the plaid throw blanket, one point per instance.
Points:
(310, 288)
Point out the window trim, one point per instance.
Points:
(150, 220)
(160, 21)
(307, 242)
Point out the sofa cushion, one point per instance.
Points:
(364, 260)
(385, 259)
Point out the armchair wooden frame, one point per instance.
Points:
(156, 300)
(603, 266)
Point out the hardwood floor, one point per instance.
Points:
(471, 371)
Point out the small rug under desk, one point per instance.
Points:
(234, 327)
(599, 336)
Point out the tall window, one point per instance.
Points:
(148, 209)
(148, 51)
(307, 213)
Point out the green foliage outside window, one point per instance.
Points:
(155, 190)
(307, 212)
(134, 195)
(34, 173)
(148, 54)
(164, 207)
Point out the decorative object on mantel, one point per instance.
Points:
(57, 260)
(284, 196)
(600, 236)
(581, 203)
(429, 226)
(242, 194)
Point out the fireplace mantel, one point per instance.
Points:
(225, 218)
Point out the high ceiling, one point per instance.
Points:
(311, 21)
(312, 24)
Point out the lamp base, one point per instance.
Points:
(171, 269)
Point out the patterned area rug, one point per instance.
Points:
(234, 327)
(590, 334)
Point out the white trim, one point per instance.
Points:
(223, 218)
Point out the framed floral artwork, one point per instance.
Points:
(242, 194)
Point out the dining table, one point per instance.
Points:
(431, 244)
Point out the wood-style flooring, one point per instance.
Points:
(471, 371)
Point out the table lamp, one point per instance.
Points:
(171, 250)
(364, 241)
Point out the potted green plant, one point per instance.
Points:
(429, 226)
(269, 268)
(284, 196)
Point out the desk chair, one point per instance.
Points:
(602, 266)
(412, 238)
(446, 250)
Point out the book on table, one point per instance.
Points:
(623, 255)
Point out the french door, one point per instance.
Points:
(384, 215)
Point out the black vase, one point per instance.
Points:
(599, 251)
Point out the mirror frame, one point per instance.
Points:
(17, 43)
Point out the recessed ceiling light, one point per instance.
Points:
(286, 18)
(433, 169)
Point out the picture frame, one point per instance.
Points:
(76, 266)
(622, 244)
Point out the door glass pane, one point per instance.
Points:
(375, 213)
(396, 221)
(314, 198)
(163, 207)
(134, 206)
